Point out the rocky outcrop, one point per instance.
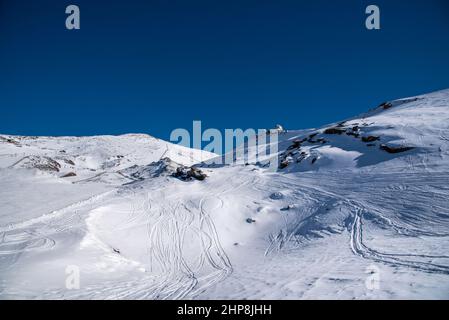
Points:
(370, 138)
(70, 174)
(43, 163)
(391, 149)
(189, 173)
(334, 130)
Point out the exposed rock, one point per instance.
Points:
(370, 138)
(48, 165)
(391, 149)
(284, 164)
(296, 144)
(388, 105)
(352, 133)
(249, 220)
(188, 174)
(334, 130)
(385, 105)
(301, 157)
(164, 166)
(38, 162)
(70, 162)
(70, 174)
(10, 140)
(197, 174)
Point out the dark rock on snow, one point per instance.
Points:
(390, 149)
(370, 138)
(334, 130)
(70, 174)
(188, 174)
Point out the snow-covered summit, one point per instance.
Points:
(92, 157)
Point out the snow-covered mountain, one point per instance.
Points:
(356, 209)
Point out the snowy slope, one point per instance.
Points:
(353, 199)
(360, 143)
(100, 154)
(39, 174)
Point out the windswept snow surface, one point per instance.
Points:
(358, 209)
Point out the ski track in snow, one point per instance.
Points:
(166, 229)
(357, 209)
(168, 224)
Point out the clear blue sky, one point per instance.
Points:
(153, 66)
